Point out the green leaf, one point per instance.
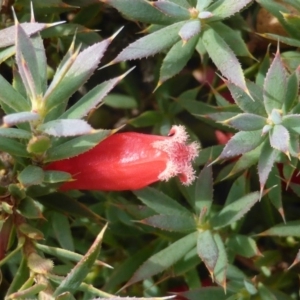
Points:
(246, 122)
(177, 58)
(76, 145)
(29, 209)
(292, 91)
(275, 85)
(56, 176)
(39, 144)
(276, 9)
(164, 259)
(31, 291)
(140, 10)
(28, 65)
(160, 202)
(203, 4)
(177, 223)
(243, 100)
(67, 205)
(20, 117)
(10, 98)
(7, 35)
(188, 262)
(31, 175)
(76, 73)
(62, 231)
(189, 30)
(95, 96)
(265, 164)
(279, 138)
(182, 3)
(207, 249)
(234, 211)
(207, 293)
(208, 154)
(120, 101)
(221, 117)
(237, 190)
(15, 133)
(20, 277)
(286, 40)
(223, 57)
(152, 43)
(204, 191)
(123, 272)
(243, 245)
(31, 232)
(64, 254)
(13, 147)
(263, 69)
(81, 270)
(291, 228)
(242, 142)
(222, 9)
(172, 10)
(147, 118)
(275, 193)
(292, 122)
(221, 265)
(6, 53)
(66, 127)
(232, 38)
(65, 296)
(39, 49)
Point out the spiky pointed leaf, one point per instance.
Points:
(279, 138)
(242, 142)
(172, 9)
(151, 44)
(220, 270)
(207, 249)
(242, 99)
(265, 164)
(177, 58)
(7, 35)
(81, 270)
(28, 64)
(235, 210)
(92, 99)
(204, 190)
(179, 223)
(203, 4)
(222, 9)
(189, 30)
(66, 127)
(223, 57)
(247, 122)
(140, 10)
(81, 67)
(275, 85)
(164, 259)
(76, 145)
(292, 122)
(291, 228)
(275, 193)
(21, 117)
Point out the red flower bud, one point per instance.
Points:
(130, 161)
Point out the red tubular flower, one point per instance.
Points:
(131, 161)
(223, 137)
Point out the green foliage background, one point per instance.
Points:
(233, 234)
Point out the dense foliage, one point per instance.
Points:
(102, 98)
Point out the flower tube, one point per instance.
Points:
(131, 161)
